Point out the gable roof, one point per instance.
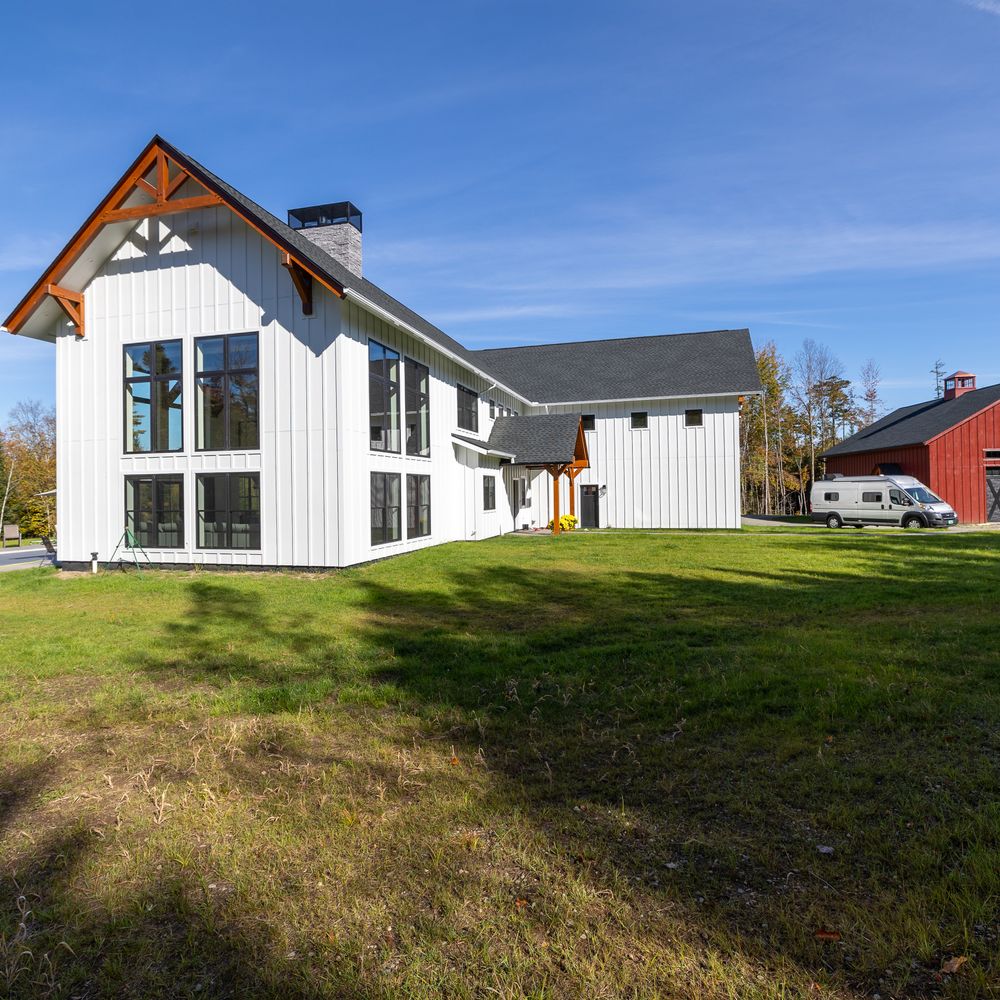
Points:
(918, 423)
(719, 362)
(546, 439)
(681, 364)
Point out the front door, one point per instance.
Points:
(993, 493)
(590, 497)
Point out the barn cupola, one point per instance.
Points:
(335, 228)
(959, 384)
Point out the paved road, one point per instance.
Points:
(25, 557)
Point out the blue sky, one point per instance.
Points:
(549, 171)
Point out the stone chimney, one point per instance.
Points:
(335, 228)
(959, 384)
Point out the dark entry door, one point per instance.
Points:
(993, 493)
(589, 506)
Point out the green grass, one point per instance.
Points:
(588, 766)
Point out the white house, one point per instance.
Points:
(234, 392)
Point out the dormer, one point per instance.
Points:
(959, 384)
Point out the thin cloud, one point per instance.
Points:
(23, 253)
(986, 6)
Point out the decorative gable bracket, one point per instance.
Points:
(71, 303)
(302, 280)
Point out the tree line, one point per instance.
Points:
(28, 469)
(808, 405)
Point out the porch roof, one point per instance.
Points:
(543, 440)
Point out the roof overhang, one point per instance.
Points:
(161, 181)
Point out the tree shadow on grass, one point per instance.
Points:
(693, 737)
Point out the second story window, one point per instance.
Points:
(154, 403)
(418, 409)
(468, 409)
(226, 384)
(383, 397)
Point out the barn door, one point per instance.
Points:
(590, 510)
(993, 494)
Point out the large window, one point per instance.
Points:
(418, 409)
(489, 492)
(226, 384)
(228, 506)
(418, 506)
(154, 511)
(383, 397)
(154, 405)
(385, 507)
(468, 409)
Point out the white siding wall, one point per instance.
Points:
(668, 476)
(208, 273)
(183, 277)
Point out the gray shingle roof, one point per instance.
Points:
(684, 364)
(680, 364)
(918, 423)
(546, 439)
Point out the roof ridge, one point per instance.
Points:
(614, 340)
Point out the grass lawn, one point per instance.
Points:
(593, 766)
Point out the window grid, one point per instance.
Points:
(468, 409)
(383, 397)
(418, 506)
(418, 409)
(157, 367)
(227, 392)
(385, 507)
(228, 510)
(154, 511)
(489, 493)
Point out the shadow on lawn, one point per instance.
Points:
(698, 735)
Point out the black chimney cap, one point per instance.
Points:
(325, 215)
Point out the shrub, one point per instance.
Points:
(566, 523)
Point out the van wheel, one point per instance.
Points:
(912, 522)
(834, 521)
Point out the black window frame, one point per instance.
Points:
(831, 497)
(411, 373)
(489, 492)
(386, 507)
(644, 415)
(228, 508)
(154, 479)
(589, 418)
(151, 378)
(226, 373)
(471, 397)
(413, 504)
(690, 419)
(387, 386)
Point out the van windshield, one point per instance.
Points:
(922, 495)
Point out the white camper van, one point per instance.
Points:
(860, 500)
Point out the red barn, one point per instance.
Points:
(950, 444)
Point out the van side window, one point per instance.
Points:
(871, 497)
(899, 498)
(828, 497)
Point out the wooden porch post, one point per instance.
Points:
(556, 475)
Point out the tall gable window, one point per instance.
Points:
(228, 506)
(383, 397)
(226, 384)
(154, 403)
(418, 506)
(468, 409)
(154, 511)
(385, 507)
(418, 409)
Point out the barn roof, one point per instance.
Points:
(919, 423)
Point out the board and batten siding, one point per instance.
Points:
(182, 277)
(456, 472)
(667, 476)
